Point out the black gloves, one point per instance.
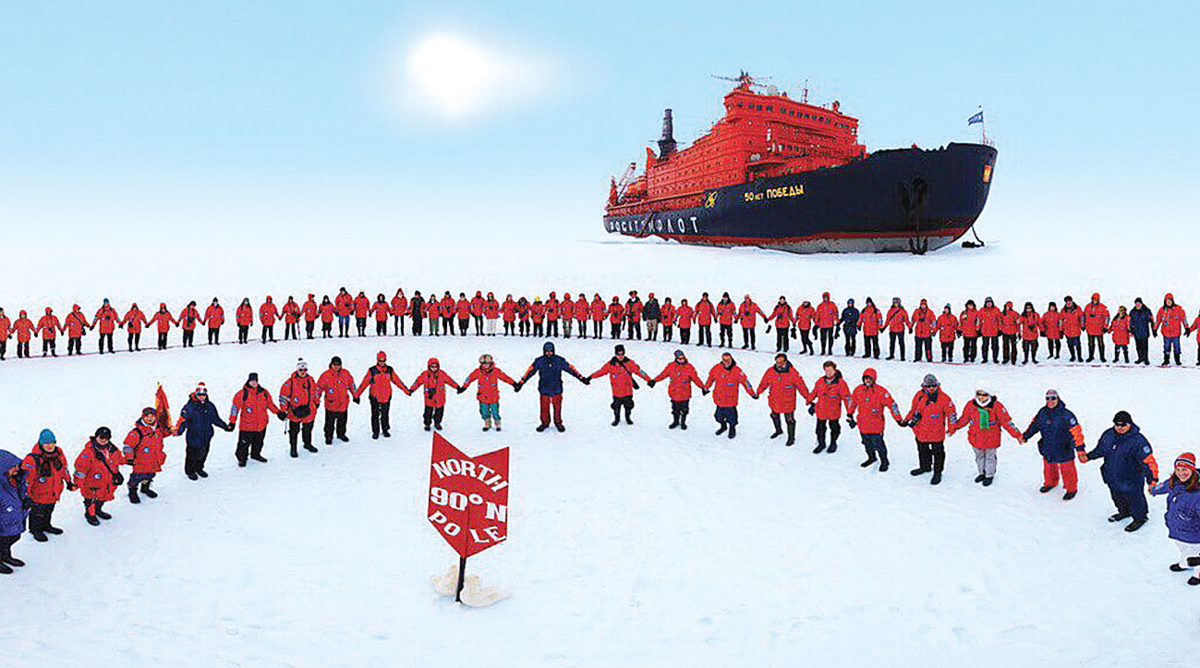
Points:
(812, 409)
(118, 479)
(461, 390)
(650, 383)
(358, 400)
(586, 381)
(850, 421)
(704, 391)
(282, 414)
(517, 385)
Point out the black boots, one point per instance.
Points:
(778, 427)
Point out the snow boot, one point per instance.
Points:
(987, 482)
(192, 476)
(38, 535)
(674, 421)
(310, 447)
(1193, 561)
(294, 452)
(147, 491)
(616, 417)
(1117, 517)
(883, 463)
(778, 426)
(1046, 488)
(732, 430)
(98, 506)
(1069, 495)
(819, 449)
(1194, 580)
(683, 421)
(936, 479)
(133, 495)
(791, 429)
(487, 424)
(870, 458)
(1135, 525)
(12, 561)
(919, 471)
(5, 569)
(497, 424)
(259, 458)
(541, 428)
(1176, 568)
(980, 477)
(832, 448)
(560, 428)
(722, 429)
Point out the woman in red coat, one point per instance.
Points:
(327, 311)
(214, 317)
(783, 383)
(25, 330)
(299, 397)
(1052, 329)
(1010, 331)
(362, 308)
(989, 329)
(686, 314)
(97, 473)
(803, 321)
(872, 324)
(144, 452)
(868, 401)
(598, 310)
(291, 313)
(309, 311)
(704, 318)
(380, 379)
(189, 320)
(399, 309)
(1031, 328)
(254, 406)
(828, 395)
(924, 322)
(986, 416)
(491, 312)
(620, 371)
(1119, 328)
(48, 328)
(947, 329)
(725, 380)
(243, 317)
(268, 313)
(508, 313)
(46, 473)
(616, 317)
(781, 319)
(434, 380)
(682, 376)
(382, 310)
(336, 386)
(666, 318)
(931, 415)
(489, 376)
(164, 320)
(968, 323)
(75, 324)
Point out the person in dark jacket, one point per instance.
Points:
(1183, 513)
(849, 321)
(196, 421)
(1128, 464)
(416, 311)
(651, 314)
(549, 368)
(1141, 326)
(1061, 438)
(14, 508)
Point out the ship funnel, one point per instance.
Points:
(666, 145)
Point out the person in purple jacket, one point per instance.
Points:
(1183, 513)
(14, 508)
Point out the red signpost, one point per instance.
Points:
(468, 500)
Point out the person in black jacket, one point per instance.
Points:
(416, 310)
(849, 322)
(1128, 465)
(651, 313)
(196, 420)
(1141, 326)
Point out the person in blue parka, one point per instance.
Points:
(14, 508)
(196, 420)
(849, 321)
(1061, 439)
(1183, 513)
(549, 368)
(1128, 465)
(1141, 326)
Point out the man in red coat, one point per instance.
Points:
(48, 328)
(783, 383)
(725, 380)
(826, 320)
(46, 473)
(434, 380)
(268, 313)
(704, 317)
(299, 397)
(825, 401)
(254, 406)
(1072, 320)
(310, 311)
(748, 315)
(98, 474)
(106, 320)
(620, 371)
(896, 324)
(380, 379)
(336, 386)
(868, 401)
(489, 376)
(214, 317)
(133, 322)
(683, 375)
(931, 415)
(1095, 321)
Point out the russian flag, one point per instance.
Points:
(977, 118)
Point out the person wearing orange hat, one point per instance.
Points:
(1183, 513)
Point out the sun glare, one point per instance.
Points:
(456, 78)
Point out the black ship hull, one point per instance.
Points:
(905, 200)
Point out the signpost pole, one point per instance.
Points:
(462, 575)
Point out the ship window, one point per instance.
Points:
(759, 108)
(770, 108)
(739, 105)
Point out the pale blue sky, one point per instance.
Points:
(123, 117)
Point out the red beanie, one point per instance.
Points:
(1187, 459)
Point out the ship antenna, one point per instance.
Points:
(804, 98)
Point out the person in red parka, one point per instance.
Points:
(489, 376)
(803, 321)
(968, 324)
(462, 311)
(616, 315)
(682, 376)
(985, 417)
(491, 313)
(989, 329)
(299, 397)
(446, 309)
(244, 318)
(399, 308)
(343, 306)
(310, 311)
(478, 306)
(1052, 329)
(74, 325)
(704, 317)
(214, 317)
(25, 330)
(685, 314)
(268, 313)
(98, 474)
(254, 406)
(948, 330)
(381, 309)
(826, 320)
(725, 379)
(291, 318)
(1095, 322)
(164, 320)
(583, 312)
(133, 322)
(6, 333)
(434, 380)
(1119, 328)
(598, 310)
(1031, 329)
(46, 473)
(825, 401)
(783, 383)
(189, 320)
(726, 311)
(896, 324)
(748, 315)
(106, 321)
(380, 379)
(336, 386)
(666, 318)
(552, 314)
(1171, 321)
(327, 311)
(1010, 331)
(868, 401)
(48, 328)
(633, 316)
(781, 319)
(931, 414)
(362, 308)
(144, 452)
(1072, 319)
(620, 371)
(508, 313)
(872, 325)
(924, 322)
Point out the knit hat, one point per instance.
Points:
(104, 432)
(930, 381)
(485, 359)
(1122, 417)
(301, 365)
(1187, 460)
(381, 356)
(252, 377)
(679, 353)
(618, 349)
(147, 411)
(46, 436)
(548, 347)
(1051, 394)
(201, 389)
(336, 360)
